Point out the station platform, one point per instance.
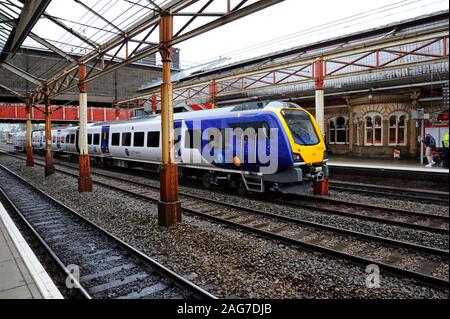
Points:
(21, 274)
(383, 163)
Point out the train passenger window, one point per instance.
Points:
(153, 139)
(138, 140)
(96, 138)
(126, 139)
(72, 138)
(115, 138)
(89, 139)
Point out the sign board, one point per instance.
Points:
(418, 114)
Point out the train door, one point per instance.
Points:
(191, 144)
(178, 138)
(105, 140)
(41, 139)
(77, 141)
(58, 139)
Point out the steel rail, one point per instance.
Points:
(178, 280)
(293, 202)
(390, 191)
(424, 278)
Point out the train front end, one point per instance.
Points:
(307, 145)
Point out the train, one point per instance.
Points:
(251, 147)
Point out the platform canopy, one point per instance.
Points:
(102, 34)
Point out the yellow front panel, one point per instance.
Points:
(311, 154)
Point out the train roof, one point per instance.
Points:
(245, 107)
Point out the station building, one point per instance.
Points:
(374, 82)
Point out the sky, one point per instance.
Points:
(291, 16)
(281, 26)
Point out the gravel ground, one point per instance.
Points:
(226, 262)
(437, 209)
(389, 231)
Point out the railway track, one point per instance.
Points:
(390, 191)
(385, 215)
(392, 216)
(426, 264)
(109, 268)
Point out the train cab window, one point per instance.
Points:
(126, 139)
(72, 138)
(89, 139)
(96, 139)
(153, 139)
(138, 140)
(115, 139)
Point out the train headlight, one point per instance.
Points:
(297, 157)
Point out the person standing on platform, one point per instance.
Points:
(445, 149)
(430, 144)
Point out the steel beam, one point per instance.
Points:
(21, 96)
(29, 16)
(72, 31)
(171, 7)
(51, 47)
(98, 15)
(302, 62)
(135, 29)
(233, 16)
(19, 72)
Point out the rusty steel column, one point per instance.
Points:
(49, 168)
(169, 207)
(320, 187)
(351, 128)
(30, 160)
(117, 112)
(213, 93)
(320, 99)
(154, 104)
(84, 179)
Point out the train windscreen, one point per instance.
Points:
(301, 127)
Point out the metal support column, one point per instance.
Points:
(154, 104)
(320, 187)
(413, 126)
(351, 128)
(84, 179)
(30, 160)
(117, 112)
(49, 168)
(213, 93)
(320, 99)
(169, 207)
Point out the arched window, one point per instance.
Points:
(374, 129)
(397, 128)
(338, 130)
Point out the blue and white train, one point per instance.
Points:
(287, 134)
